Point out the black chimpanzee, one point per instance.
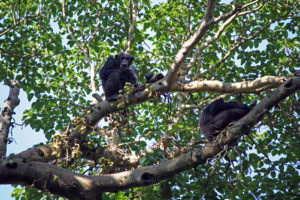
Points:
(219, 114)
(152, 79)
(115, 73)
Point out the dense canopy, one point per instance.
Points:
(147, 144)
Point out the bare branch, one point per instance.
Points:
(93, 75)
(231, 16)
(223, 87)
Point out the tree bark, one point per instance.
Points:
(6, 115)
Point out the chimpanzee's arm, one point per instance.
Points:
(152, 79)
(128, 74)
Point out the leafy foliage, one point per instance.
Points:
(51, 64)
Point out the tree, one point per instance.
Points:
(147, 145)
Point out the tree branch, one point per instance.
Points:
(254, 10)
(68, 27)
(224, 87)
(133, 13)
(19, 22)
(6, 115)
(206, 23)
(51, 178)
(230, 17)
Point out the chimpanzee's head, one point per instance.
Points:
(123, 59)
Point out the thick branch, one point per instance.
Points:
(69, 184)
(50, 178)
(6, 115)
(223, 87)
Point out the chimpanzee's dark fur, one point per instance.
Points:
(115, 73)
(218, 115)
(152, 79)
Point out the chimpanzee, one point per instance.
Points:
(115, 73)
(219, 114)
(152, 79)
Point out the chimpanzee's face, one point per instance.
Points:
(124, 59)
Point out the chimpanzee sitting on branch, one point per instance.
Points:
(115, 73)
(219, 114)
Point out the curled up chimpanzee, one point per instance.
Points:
(219, 114)
(115, 73)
